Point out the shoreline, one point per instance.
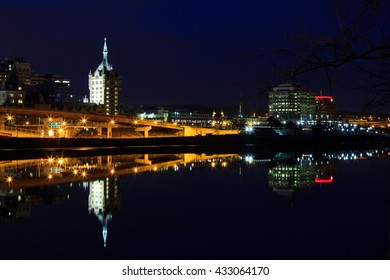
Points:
(210, 140)
(35, 147)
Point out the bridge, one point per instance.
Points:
(81, 120)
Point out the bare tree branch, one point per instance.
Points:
(363, 35)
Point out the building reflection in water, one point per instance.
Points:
(288, 174)
(28, 183)
(16, 203)
(103, 201)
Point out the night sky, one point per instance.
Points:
(168, 52)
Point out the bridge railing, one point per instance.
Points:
(22, 130)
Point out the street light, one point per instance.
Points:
(249, 129)
(9, 179)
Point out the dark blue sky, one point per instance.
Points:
(168, 52)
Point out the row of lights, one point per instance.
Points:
(75, 172)
(83, 174)
(176, 167)
(50, 119)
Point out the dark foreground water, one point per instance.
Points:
(288, 206)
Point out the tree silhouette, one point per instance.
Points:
(361, 39)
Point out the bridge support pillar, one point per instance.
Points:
(109, 131)
(2, 169)
(109, 161)
(144, 160)
(2, 122)
(99, 161)
(99, 131)
(145, 130)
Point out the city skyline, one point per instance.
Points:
(168, 53)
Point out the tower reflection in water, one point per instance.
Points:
(103, 201)
(25, 184)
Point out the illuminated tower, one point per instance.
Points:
(105, 85)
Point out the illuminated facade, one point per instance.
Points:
(105, 85)
(287, 102)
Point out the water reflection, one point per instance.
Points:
(29, 183)
(288, 175)
(104, 200)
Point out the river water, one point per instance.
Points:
(197, 206)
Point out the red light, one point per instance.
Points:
(324, 97)
(325, 181)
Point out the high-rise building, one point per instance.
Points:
(12, 92)
(325, 108)
(14, 75)
(105, 85)
(19, 66)
(288, 102)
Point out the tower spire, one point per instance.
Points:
(105, 51)
(105, 65)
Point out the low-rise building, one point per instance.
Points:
(12, 97)
(48, 88)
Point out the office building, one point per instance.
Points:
(21, 68)
(325, 108)
(49, 88)
(290, 103)
(14, 75)
(12, 91)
